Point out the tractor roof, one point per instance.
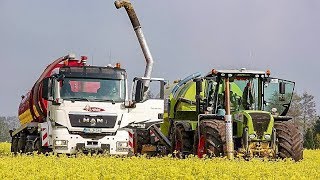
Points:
(236, 71)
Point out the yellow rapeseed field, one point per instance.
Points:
(105, 167)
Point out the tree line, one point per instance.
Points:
(6, 124)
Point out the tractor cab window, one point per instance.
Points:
(276, 99)
(243, 93)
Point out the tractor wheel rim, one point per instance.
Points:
(201, 146)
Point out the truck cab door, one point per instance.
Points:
(148, 103)
(278, 94)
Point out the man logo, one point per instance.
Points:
(93, 121)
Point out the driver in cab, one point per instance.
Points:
(108, 90)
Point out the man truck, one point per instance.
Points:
(74, 107)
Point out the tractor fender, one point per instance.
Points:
(186, 125)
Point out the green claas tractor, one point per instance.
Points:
(232, 113)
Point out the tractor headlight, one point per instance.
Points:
(122, 146)
(252, 136)
(60, 143)
(267, 136)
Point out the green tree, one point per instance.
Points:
(4, 130)
(316, 131)
(317, 126)
(317, 141)
(308, 139)
(6, 124)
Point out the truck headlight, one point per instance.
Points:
(122, 146)
(60, 143)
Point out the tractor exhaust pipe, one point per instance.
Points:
(137, 28)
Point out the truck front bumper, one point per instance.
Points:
(70, 143)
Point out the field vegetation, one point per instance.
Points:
(110, 167)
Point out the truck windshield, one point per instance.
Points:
(82, 89)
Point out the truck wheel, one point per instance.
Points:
(210, 138)
(143, 138)
(29, 147)
(181, 142)
(14, 145)
(290, 140)
(22, 143)
(37, 146)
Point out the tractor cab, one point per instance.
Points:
(248, 90)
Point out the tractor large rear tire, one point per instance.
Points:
(181, 141)
(290, 140)
(212, 139)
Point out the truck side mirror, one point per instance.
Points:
(162, 84)
(282, 88)
(139, 92)
(46, 89)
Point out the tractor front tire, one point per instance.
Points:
(210, 138)
(290, 140)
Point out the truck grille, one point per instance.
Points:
(103, 121)
(260, 122)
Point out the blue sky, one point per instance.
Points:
(184, 37)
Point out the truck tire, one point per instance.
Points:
(181, 141)
(37, 146)
(210, 138)
(14, 144)
(290, 140)
(22, 143)
(29, 147)
(143, 138)
(41, 149)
